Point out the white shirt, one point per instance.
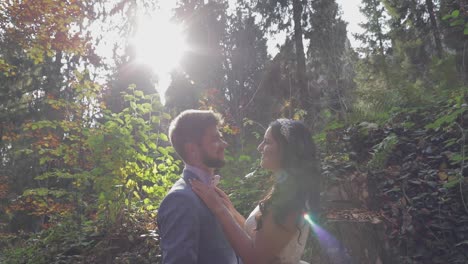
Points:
(205, 177)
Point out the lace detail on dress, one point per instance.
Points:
(292, 252)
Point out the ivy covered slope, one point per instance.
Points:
(412, 170)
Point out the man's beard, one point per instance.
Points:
(212, 162)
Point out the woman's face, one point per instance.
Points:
(271, 153)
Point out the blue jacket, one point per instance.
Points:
(189, 232)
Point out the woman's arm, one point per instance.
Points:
(240, 219)
(264, 247)
(267, 242)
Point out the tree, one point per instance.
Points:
(327, 54)
(375, 40)
(277, 17)
(202, 66)
(43, 46)
(453, 27)
(434, 27)
(245, 57)
(224, 70)
(57, 135)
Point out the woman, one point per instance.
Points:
(275, 232)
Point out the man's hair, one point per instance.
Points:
(190, 126)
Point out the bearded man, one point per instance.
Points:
(189, 232)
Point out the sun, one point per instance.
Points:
(160, 44)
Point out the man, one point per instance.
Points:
(189, 232)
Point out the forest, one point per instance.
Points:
(88, 89)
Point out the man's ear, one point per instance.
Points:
(191, 150)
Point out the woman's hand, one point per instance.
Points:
(225, 198)
(216, 200)
(227, 202)
(209, 195)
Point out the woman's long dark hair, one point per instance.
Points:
(300, 189)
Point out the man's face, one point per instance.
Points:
(212, 148)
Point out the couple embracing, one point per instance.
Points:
(197, 221)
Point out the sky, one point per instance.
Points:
(351, 14)
(349, 9)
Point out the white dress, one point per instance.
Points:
(292, 252)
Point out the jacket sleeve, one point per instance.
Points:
(179, 229)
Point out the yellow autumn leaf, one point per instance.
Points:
(443, 175)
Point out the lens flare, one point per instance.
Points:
(159, 43)
(308, 219)
(327, 241)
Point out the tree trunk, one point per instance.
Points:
(380, 40)
(435, 29)
(306, 103)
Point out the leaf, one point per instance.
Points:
(127, 97)
(244, 158)
(155, 119)
(462, 243)
(455, 13)
(442, 175)
(416, 182)
(452, 183)
(446, 17)
(130, 183)
(162, 167)
(445, 119)
(465, 31)
(166, 116)
(143, 148)
(137, 195)
(163, 137)
(139, 93)
(457, 22)
(151, 145)
(450, 142)
(163, 151)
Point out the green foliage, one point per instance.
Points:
(381, 152)
(378, 98)
(133, 164)
(456, 20)
(124, 162)
(95, 177)
(29, 253)
(244, 182)
(413, 175)
(320, 138)
(447, 119)
(49, 246)
(70, 242)
(444, 74)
